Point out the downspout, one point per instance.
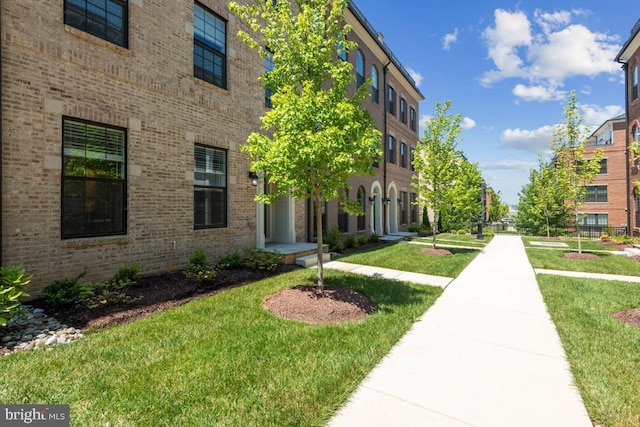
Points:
(1, 156)
(385, 146)
(625, 67)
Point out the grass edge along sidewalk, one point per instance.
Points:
(603, 352)
(222, 360)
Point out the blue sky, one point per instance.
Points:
(507, 67)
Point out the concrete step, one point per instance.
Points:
(311, 260)
(635, 251)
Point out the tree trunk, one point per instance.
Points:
(434, 229)
(578, 231)
(319, 252)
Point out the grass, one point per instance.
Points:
(457, 239)
(407, 257)
(603, 352)
(608, 263)
(221, 360)
(572, 243)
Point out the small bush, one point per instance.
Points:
(489, 233)
(234, 260)
(127, 274)
(605, 237)
(199, 268)
(362, 239)
(461, 231)
(374, 238)
(332, 238)
(110, 292)
(350, 242)
(621, 240)
(13, 280)
(260, 259)
(65, 292)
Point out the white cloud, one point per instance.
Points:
(538, 93)
(424, 119)
(416, 76)
(508, 165)
(546, 52)
(449, 39)
(595, 115)
(535, 141)
(468, 123)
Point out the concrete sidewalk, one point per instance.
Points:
(486, 354)
(387, 273)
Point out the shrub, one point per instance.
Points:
(234, 260)
(199, 268)
(461, 231)
(260, 259)
(13, 280)
(362, 239)
(128, 274)
(374, 238)
(609, 230)
(605, 237)
(110, 292)
(350, 242)
(621, 240)
(65, 292)
(489, 233)
(332, 238)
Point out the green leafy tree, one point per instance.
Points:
(573, 171)
(315, 136)
(498, 208)
(436, 162)
(466, 197)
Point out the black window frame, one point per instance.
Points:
(269, 65)
(99, 26)
(412, 156)
(391, 100)
(360, 78)
(87, 217)
(412, 119)
(414, 207)
(404, 211)
(220, 189)
(603, 167)
(201, 44)
(403, 110)
(362, 200)
(634, 83)
(343, 215)
(375, 85)
(595, 194)
(403, 154)
(391, 149)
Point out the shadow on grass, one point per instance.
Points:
(364, 251)
(386, 293)
(456, 251)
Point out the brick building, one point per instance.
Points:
(120, 138)
(629, 57)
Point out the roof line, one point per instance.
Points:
(634, 32)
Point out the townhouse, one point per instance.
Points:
(121, 127)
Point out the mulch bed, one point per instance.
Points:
(436, 251)
(576, 255)
(630, 316)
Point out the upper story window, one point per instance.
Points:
(412, 119)
(359, 68)
(209, 47)
(635, 144)
(596, 193)
(403, 155)
(375, 85)
(391, 100)
(603, 167)
(412, 156)
(342, 52)
(106, 19)
(268, 66)
(391, 153)
(94, 182)
(403, 111)
(634, 88)
(210, 187)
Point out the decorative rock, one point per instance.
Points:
(50, 340)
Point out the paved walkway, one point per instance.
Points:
(486, 354)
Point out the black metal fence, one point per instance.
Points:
(588, 231)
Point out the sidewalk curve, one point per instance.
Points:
(486, 354)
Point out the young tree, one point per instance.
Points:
(573, 171)
(498, 208)
(315, 136)
(436, 162)
(466, 197)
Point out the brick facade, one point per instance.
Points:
(52, 71)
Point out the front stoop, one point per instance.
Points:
(312, 260)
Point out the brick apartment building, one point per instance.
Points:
(121, 129)
(629, 57)
(606, 198)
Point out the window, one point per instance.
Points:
(210, 187)
(404, 207)
(403, 155)
(596, 193)
(412, 119)
(391, 97)
(359, 68)
(597, 220)
(603, 167)
(634, 88)
(414, 208)
(342, 52)
(403, 111)
(635, 146)
(268, 66)
(362, 202)
(375, 91)
(413, 156)
(391, 155)
(343, 216)
(106, 19)
(93, 180)
(209, 47)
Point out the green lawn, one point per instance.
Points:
(407, 257)
(572, 243)
(222, 360)
(608, 263)
(457, 239)
(604, 353)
